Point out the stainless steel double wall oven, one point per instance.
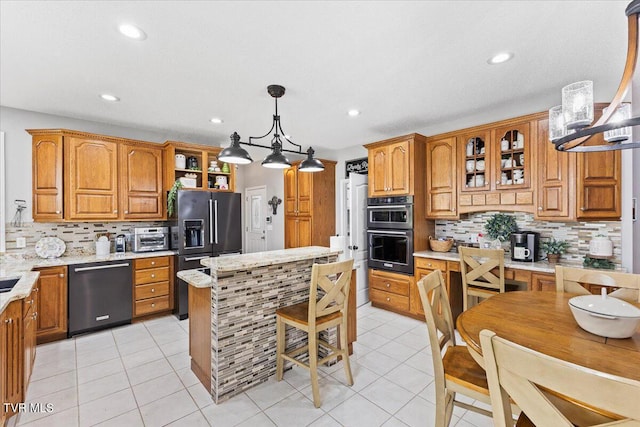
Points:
(390, 233)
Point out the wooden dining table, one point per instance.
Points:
(542, 321)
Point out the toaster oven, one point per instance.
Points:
(151, 239)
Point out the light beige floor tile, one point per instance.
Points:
(294, 407)
(398, 351)
(195, 419)
(389, 331)
(332, 392)
(66, 418)
(142, 357)
(128, 419)
(258, 420)
(180, 361)
(200, 395)
(417, 341)
(148, 371)
(358, 411)
(89, 358)
(372, 340)
(134, 346)
(107, 407)
(176, 346)
(409, 378)
(362, 376)
(387, 395)
(100, 370)
(421, 361)
(157, 388)
(38, 388)
(231, 412)
(168, 409)
(52, 368)
(325, 421)
(394, 422)
(187, 376)
(378, 362)
(418, 413)
(270, 392)
(101, 387)
(59, 401)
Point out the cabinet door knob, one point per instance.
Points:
(8, 321)
(153, 276)
(539, 208)
(115, 211)
(388, 299)
(153, 289)
(57, 212)
(126, 212)
(153, 263)
(388, 285)
(153, 304)
(582, 208)
(61, 275)
(34, 315)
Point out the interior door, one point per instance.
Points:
(357, 238)
(255, 229)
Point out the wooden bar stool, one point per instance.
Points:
(321, 312)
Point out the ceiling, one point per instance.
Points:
(408, 66)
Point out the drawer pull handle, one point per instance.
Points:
(153, 276)
(153, 304)
(9, 320)
(153, 263)
(388, 299)
(153, 289)
(388, 285)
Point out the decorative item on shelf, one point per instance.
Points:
(569, 124)
(274, 202)
(221, 182)
(554, 249)
(181, 161)
(236, 154)
(471, 147)
(172, 197)
(500, 226)
(440, 245)
(213, 166)
(590, 261)
(192, 163)
(50, 247)
(225, 168)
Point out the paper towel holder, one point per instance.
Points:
(274, 202)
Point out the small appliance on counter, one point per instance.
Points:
(146, 239)
(121, 243)
(525, 246)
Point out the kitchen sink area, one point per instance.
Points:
(8, 283)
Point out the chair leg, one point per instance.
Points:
(444, 407)
(313, 367)
(280, 346)
(344, 346)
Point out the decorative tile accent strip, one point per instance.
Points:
(578, 234)
(243, 307)
(80, 237)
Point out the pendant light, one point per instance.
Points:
(275, 160)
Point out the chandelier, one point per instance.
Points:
(569, 123)
(276, 160)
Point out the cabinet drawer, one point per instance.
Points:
(386, 284)
(430, 264)
(152, 305)
(395, 301)
(151, 275)
(151, 290)
(161, 261)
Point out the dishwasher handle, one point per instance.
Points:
(101, 267)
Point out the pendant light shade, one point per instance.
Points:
(234, 153)
(276, 160)
(310, 164)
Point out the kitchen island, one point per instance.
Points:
(232, 321)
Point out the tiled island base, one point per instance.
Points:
(245, 292)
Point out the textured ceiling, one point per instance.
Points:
(408, 66)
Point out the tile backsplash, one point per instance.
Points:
(578, 234)
(79, 237)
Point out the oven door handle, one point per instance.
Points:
(389, 206)
(402, 233)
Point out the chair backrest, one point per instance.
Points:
(437, 313)
(519, 372)
(329, 288)
(476, 265)
(568, 279)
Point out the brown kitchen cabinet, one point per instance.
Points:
(29, 319)
(79, 176)
(309, 205)
(47, 178)
(204, 154)
(495, 167)
(152, 285)
(442, 186)
(390, 290)
(11, 359)
(543, 282)
(51, 320)
(424, 267)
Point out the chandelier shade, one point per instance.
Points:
(570, 124)
(275, 160)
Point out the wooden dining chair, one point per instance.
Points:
(526, 377)
(478, 277)
(326, 308)
(454, 369)
(571, 279)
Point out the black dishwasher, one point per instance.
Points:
(100, 295)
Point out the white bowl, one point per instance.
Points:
(605, 316)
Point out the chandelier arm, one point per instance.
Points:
(273, 125)
(593, 130)
(629, 68)
(284, 135)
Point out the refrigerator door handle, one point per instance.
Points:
(215, 207)
(210, 222)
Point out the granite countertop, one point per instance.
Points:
(11, 267)
(195, 278)
(539, 266)
(20, 290)
(261, 259)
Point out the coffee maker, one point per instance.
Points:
(524, 246)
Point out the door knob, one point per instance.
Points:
(355, 248)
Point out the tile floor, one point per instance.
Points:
(139, 375)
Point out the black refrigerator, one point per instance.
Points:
(209, 224)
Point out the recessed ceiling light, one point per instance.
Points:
(132, 32)
(354, 113)
(216, 120)
(110, 98)
(500, 58)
